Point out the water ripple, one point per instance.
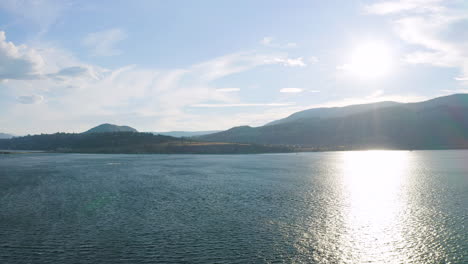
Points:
(353, 207)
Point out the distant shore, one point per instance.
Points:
(305, 150)
(21, 151)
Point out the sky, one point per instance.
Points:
(69, 65)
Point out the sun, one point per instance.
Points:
(370, 60)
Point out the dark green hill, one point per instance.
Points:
(108, 128)
(129, 142)
(435, 124)
(65, 141)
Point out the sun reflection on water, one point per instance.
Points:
(373, 187)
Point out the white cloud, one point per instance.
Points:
(81, 95)
(18, 62)
(228, 90)
(376, 94)
(389, 7)
(30, 99)
(40, 13)
(103, 43)
(242, 105)
(291, 90)
(298, 62)
(239, 62)
(297, 90)
(313, 60)
(435, 27)
(229, 64)
(266, 41)
(269, 42)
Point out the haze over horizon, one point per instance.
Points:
(171, 66)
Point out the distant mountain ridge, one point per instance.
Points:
(329, 112)
(434, 124)
(108, 138)
(186, 133)
(439, 123)
(107, 128)
(5, 136)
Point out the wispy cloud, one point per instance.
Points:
(103, 43)
(74, 72)
(297, 90)
(229, 64)
(390, 7)
(242, 105)
(38, 13)
(313, 60)
(227, 90)
(291, 90)
(30, 99)
(461, 78)
(435, 26)
(143, 97)
(289, 62)
(270, 42)
(266, 41)
(241, 61)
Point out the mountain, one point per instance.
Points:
(124, 142)
(434, 124)
(3, 136)
(106, 128)
(186, 133)
(329, 112)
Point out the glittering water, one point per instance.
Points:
(336, 207)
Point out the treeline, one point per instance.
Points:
(130, 142)
(68, 141)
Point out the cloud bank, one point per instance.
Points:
(73, 95)
(435, 27)
(18, 62)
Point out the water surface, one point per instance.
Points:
(335, 207)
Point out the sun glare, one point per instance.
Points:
(370, 60)
(374, 178)
(374, 185)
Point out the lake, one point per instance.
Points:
(330, 207)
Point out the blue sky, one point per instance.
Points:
(202, 65)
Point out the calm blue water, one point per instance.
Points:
(336, 207)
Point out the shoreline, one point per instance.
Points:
(10, 152)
